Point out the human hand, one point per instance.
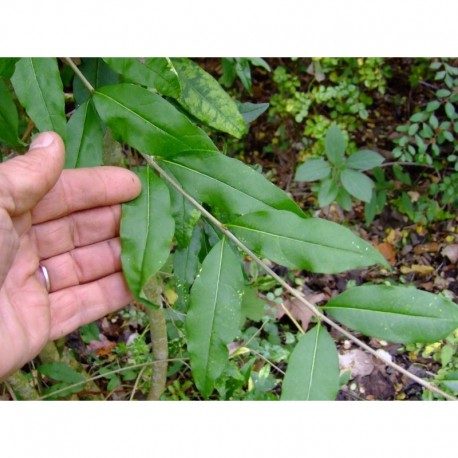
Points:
(67, 221)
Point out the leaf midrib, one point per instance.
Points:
(212, 327)
(386, 312)
(142, 118)
(41, 92)
(294, 239)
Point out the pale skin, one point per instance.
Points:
(68, 221)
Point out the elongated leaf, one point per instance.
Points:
(357, 184)
(148, 122)
(365, 160)
(84, 138)
(313, 244)
(146, 232)
(214, 315)
(61, 372)
(335, 145)
(227, 184)
(98, 73)
(8, 117)
(313, 369)
(313, 169)
(205, 99)
(395, 313)
(328, 192)
(157, 73)
(39, 89)
(251, 111)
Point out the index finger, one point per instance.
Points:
(86, 188)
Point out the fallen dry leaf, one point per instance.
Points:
(298, 310)
(103, 347)
(387, 251)
(451, 252)
(432, 247)
(417, 269)
(359, 362)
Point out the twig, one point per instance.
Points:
(320, 315)
(83, 79)
(28, 130)
(413, 164)
(137, 381)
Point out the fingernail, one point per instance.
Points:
(42, 141)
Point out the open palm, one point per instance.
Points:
(67, 221)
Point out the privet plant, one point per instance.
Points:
(201, 213)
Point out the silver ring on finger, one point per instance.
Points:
(45, 275)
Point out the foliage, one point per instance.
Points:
(340, 177)
(162, 110)
(429, 137)
(338, 92)
(240, 67)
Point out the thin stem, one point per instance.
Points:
(83, 79)
(320, 315)
(413, 164)
(159, 343)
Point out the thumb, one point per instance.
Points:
(25, 180)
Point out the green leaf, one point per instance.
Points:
(344, 199)
(259, 62)
(8, 117)
(357, 184)
(450, 381)
(205, 99)
(242, 68)
(426, 131)
(186, 265)
(227, 184)
(441, 93)
(214, 315)
(253, 307)
(421, 116)
(84, 138)
(313, 369)
(433, 121)
(98, 73)
(156, 72)
(364, 160)
(185, 216)
(251, 111)
(313, 169)
(336, 144)
(432, 106)
(327, 192)
(60, 372)
(147, 122)
(450, 110)
(7, 65)
(312, 244)
(89, 332)
(413, 129)
(39, 89)
(146, 232)
(395, 313)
